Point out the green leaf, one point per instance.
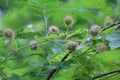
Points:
(56, 50)
(114, 39)
(53, 36)
(2, 75)
(12, 45)
(84, 45)
(65, 65)
(114, 44)
(3, 54)
(22, 65)
(2, 44)
(52, 66)
(38, 64)
(15, 77)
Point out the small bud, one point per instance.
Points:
(108, 20)
(9, 33)
(94, 30)
(72, 45)
(100, 47)
(34, 45)
(53, 29)
(68, 21)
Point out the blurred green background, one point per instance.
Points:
(27, 18)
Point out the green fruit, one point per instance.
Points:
(68, 21)
(34, 45)
(72, 45)
(53, 29)
(101, 47)
(94, 30)
(9, 33)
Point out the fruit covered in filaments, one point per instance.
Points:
(54, 29)
(108, 20)
(34, 45)
(72, 45)
(68, 21)
(9, 33)
(101, 47)
(94, 30)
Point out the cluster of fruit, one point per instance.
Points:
(68, 21)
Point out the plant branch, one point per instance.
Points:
(112, 75)
(92, 57)
(83, 53)
(111, 25)
(54, 70)
(45, 20)
(67, 32)
(13, 52)
(106, 74)
(35, 54)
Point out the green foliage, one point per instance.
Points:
(114, 39)
(31, 20)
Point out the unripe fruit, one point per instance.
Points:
(108, 20)
(54, 29)
(72, 45)
(34, 45)
(9, 33)
(68, 21)
(100, 47)
(94, 30)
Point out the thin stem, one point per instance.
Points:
(67, 30)
(36, 75)
(114, 24)
(56, 40)
(22, 48)
(45, 20)
(92, 57)
(106, 74)
(112, 75)
(35, 54)
(83, 53)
